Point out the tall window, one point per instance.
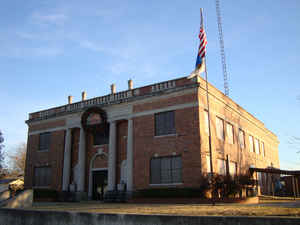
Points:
(221, 167)
(44, 141)
(165, 123)
(166, 170)
(242, 138)
(208, 164)
(220, 128)
(206, 121)
(42, 176)
(257, 149)
(232, 168)
(251, 144)
(263, 149)
(229, 129)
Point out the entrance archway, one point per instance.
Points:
(98, 175)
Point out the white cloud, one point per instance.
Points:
(55, 18)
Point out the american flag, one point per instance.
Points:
(200, 64)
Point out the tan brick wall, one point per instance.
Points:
(239, 119)
(160, 103)
(46, 125)
(186, 143)
(53, 158)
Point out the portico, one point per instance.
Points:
(94, 121)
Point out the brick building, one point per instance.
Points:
(143, 138)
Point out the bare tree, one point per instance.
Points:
(1, 150)
(18, 158)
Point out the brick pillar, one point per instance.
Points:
(67, 161)
(112, 156)
(81, 161)
(129, 183)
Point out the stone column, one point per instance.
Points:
(112, 156)
(81, 161)
(130, 156)
(67, 161)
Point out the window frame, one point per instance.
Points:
(48, 142)
(48, 176)
(244, 142)
(168, 126)
(172, 170)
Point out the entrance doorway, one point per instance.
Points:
(99, 184)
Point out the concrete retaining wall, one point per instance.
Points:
(27, 217)
(21, 200)
(4, 195)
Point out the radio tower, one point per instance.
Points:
(221, 40)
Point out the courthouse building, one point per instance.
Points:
(154, 136)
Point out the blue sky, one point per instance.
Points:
(52, 49)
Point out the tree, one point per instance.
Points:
(1, 150)
(18, 158)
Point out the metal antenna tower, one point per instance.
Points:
(221, 40)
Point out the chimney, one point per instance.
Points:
(130, 84)
(70, 99)
(113, 88)
(83, 96)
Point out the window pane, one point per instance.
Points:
(232, 168)
(176, 176)
(155, 171)
(166, 170)
(221, 167)
(42, 176)
(229, 129)
(263, 149)
(251, 145)
(220, 128)
(206, 121)
(257, 150)
(176, 162)
(44, 141)
(208, 164)
(242, 138)
(165, 123)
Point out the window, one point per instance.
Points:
(242, 138)
(232, 168)
(229, 129)
(100, 138)
(263, 149)
(165, 170)
(42, 176)
(165, 123)
(208, 164)
(220, 128)
(251, 144)
(44, 141)
(206, 121)
(256, 142)
(221, 167)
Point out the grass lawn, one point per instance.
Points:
(267, 208)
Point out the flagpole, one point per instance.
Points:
(208, 113)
